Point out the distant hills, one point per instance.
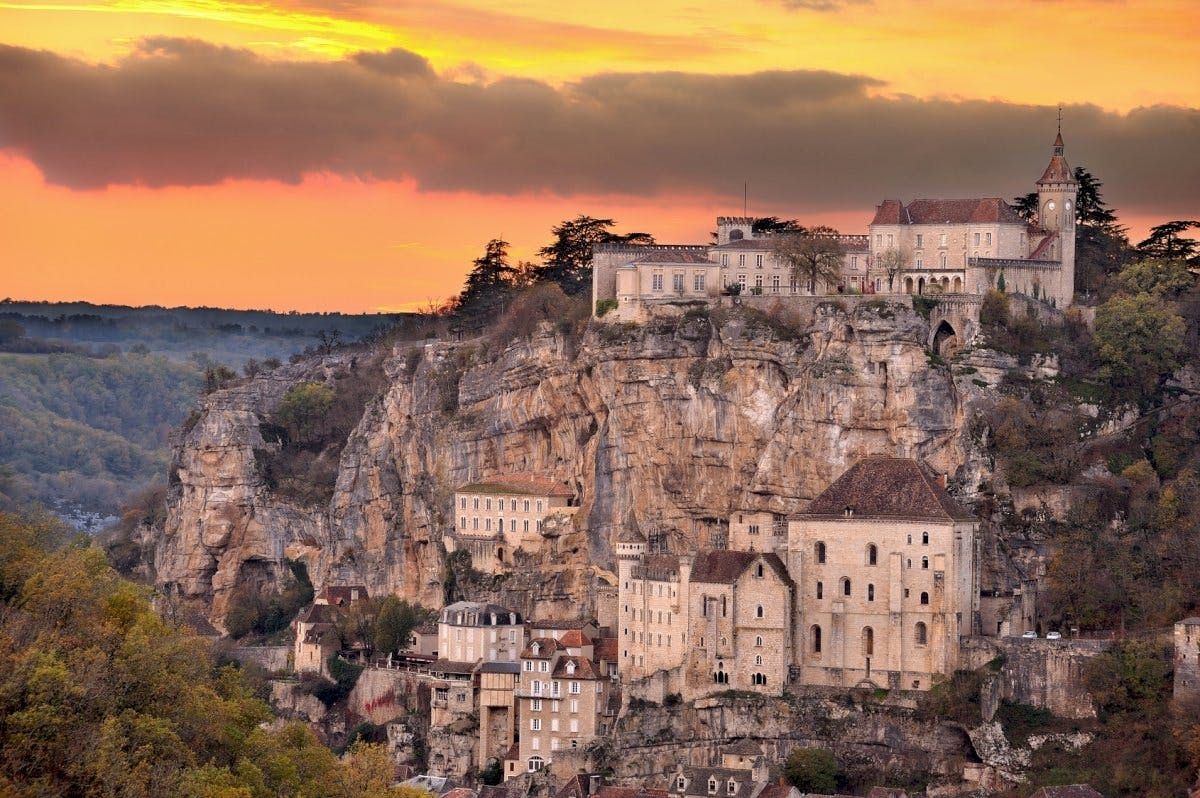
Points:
(89, 393)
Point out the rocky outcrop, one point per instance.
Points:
(668, 426)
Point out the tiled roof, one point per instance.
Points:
(513, 752)
(426, 629)
(776, 791)
(697, 782)
(1193, 621)
(725, 567)
(584, 669)
(612, 791)
(658, 566)
(459, 792)
(320, 613)
(668, 256)
(340, 595)
(575, 787)
(887, 487)
(947, 211)
(1067, 791)
(885, 792)
(575, 639)
(1040, 251)
(496, 791)
(744, 747)
(474, 613)
(499, 667)
(551, 623)
(518, 484)
(196, 621)
(450, 666)
(762, 243)
(546, 648)
(1057, 171)
(605, 649)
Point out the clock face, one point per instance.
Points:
(1067, 205)
(1050, 205)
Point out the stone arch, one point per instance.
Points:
(908, 285)
(921, 285)
(945, 339)
(958, 285)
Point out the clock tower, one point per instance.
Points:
(1056, 215)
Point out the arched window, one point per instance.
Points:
(924, 562)
(845, 586)
(920, 634)
(819, 551)
(815, 639)
(759, 612)
(759, 571)
(924, 538)
(924, 598)
(536, 763)
(872, 554)
(758, 679)
(820, 590)
(758, 642)
(868, 641)
(910, 539)
(736, 235)
(758, 660)
(870, 592)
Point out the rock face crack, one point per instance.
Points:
(667, 427)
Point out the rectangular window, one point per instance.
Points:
(742, 281)
(977, 239)
(528, 666)
(463, 502)
(525, 523)
(487, 524)
(775, 284)
(853, 261)
(574, 725)
(891, 239)
(462, 522)
(741, 260)
(656, 284)
(758, 261)
(536, 705)
(553, 724)
(514, 505)
(476, 503)
(539, 505)
(920, 261)
(512, 525)
(535, 724)
(988, 239)
(575, 701)
(489, 503)
(942, 240)
(878, 241)
(758, 282)
(535, 744)
(920, 240)
(698, 281)
(724, 259)
(527, 505)
(677, 283)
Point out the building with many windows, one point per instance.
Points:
(495, 517)
(956, 246)
(469, 631)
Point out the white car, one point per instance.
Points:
(1053, 636)
(1030, 635)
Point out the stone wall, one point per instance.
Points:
(273, 659)
(383, 695)
(1049, 674)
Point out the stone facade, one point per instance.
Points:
(470, 631)
(1187, 660)
(874, 585)
(495, 517)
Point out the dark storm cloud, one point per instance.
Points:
(183, 112)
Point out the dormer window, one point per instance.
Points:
(570, 667)
(712, 786)
(536, 648)
(681, 783)
(731, 787)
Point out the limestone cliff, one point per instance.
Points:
(669, 426)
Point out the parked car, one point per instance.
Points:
(1053, 636)
(1030, 635)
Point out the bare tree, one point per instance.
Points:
(893, 261)
(813, 256)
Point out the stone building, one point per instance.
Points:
(497, 709)
(742, 773)
(887, 578)
(495, 517)
(740, 622)
(470, 631)
(954, 246)
(652, 607)
(566, 697)
(1187, 660)
(316, 639)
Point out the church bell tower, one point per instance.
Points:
(1056, 191)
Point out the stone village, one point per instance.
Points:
(873, 586)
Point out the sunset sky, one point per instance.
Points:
(356, 155)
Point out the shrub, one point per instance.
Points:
(812, 770)
(995, 309)
(604, 306)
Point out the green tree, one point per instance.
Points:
(1139, 340)
(770, 225)
(303, 410)
(1161, 277)
(814, 256)
(812, 770)
(1166, 241)
(217, 376)
(10, 330)
(489, 283)
(567, 260)
(394, 622)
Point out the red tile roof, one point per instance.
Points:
(1040, 252)
(947, 211)
(519, 484)
(776, 791)
(575, 639)
(1057, 171)
(341, 595)
(546, 648)
(552, 623)
(887, 487)
(584, 669)
(725, 567)
(605, 649)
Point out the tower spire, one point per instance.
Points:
(1058, 140)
